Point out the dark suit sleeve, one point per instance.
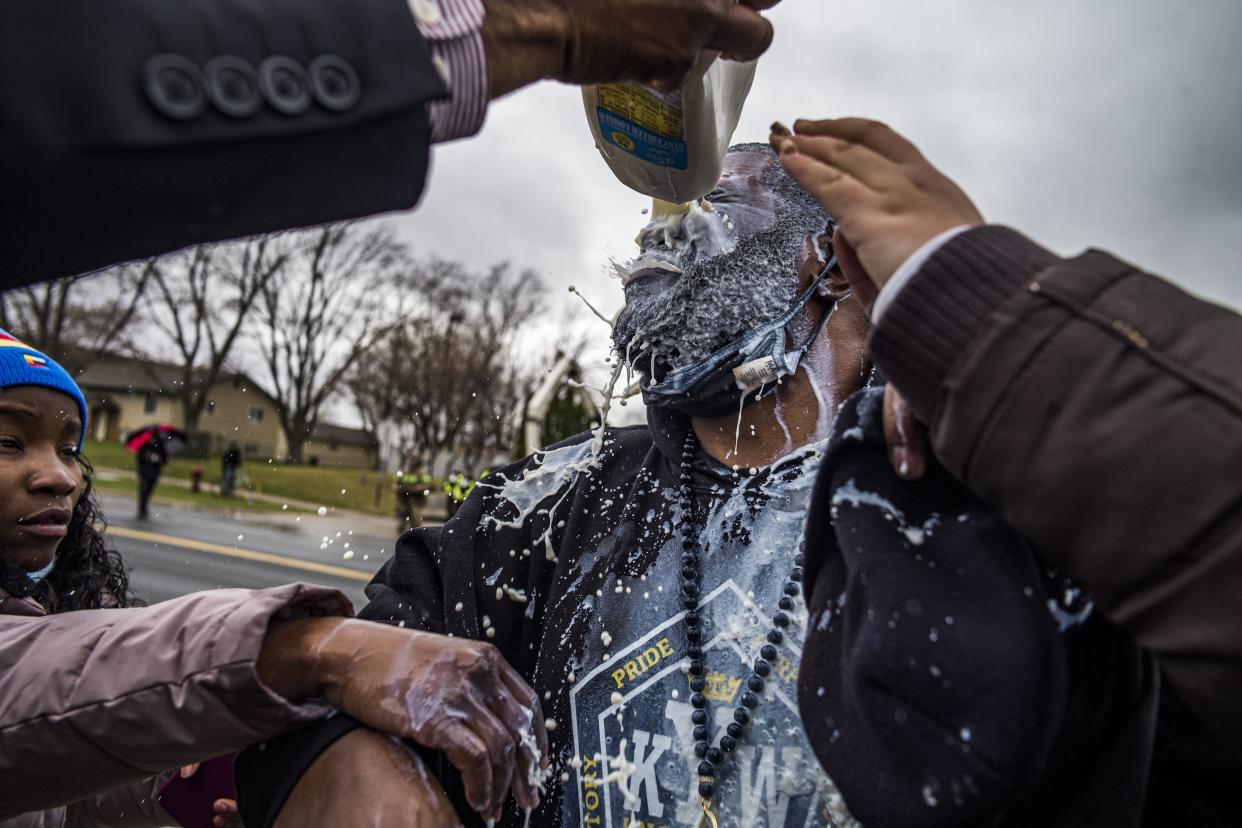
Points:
(136, 127)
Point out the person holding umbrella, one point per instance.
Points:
(153, 446)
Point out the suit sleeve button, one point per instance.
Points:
(175, 87)
(233, 86)
(335, 83)
(284, 84)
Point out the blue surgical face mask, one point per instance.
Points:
(40, 574)
(755, 360)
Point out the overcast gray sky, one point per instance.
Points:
(1108, 123)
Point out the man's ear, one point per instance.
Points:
(835, 286)
(818, 251)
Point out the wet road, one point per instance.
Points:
(179, 550)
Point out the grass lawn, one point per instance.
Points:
(343, 488)
(209, 500)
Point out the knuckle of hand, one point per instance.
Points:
(477, 756)
(490, 657)
(443, 730)
(894, 206)
(838, 149)
(871, 129)
(477, 655)
(826, 181)
(923, 179)
(822, 191)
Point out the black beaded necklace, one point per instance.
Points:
(711, 759)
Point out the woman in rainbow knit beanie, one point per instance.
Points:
(52, 555)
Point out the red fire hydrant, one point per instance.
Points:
(196, 478)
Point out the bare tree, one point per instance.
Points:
(108, 323)
(78, 317)
(200, 300)
(446, 380)
(37, 313)
(374, 382)
(320, 314)
(506, 301)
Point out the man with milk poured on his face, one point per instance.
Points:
(647, 581)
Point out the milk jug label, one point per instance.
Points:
(643, 123)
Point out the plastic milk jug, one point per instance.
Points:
(670, 145)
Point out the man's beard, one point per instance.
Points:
(711, 304)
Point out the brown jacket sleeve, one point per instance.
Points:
(97, 699)
(1099, 409)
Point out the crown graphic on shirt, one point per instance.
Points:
(721, 688)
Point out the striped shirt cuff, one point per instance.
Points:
(453, 32)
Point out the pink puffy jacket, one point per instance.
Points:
(97, 705)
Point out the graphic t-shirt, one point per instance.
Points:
(570, 564)
(633, 746)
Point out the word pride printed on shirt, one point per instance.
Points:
(633, 738)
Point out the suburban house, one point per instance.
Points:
(124, 393)
(334, 445)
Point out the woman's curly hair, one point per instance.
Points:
(87, 575)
